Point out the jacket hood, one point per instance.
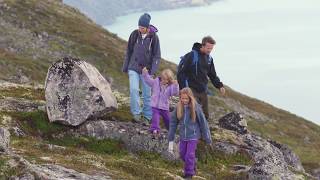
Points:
(196, 46)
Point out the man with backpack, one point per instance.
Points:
(194, 69)
(143, 50)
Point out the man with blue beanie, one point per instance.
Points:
(143, 50)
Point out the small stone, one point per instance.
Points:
(4, 139)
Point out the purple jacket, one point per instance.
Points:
(160, 98)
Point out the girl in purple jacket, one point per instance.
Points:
(163, 88)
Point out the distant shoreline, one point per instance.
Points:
(106, 13)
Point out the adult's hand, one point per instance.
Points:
(145, 70)
(222, 91)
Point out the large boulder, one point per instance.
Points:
(75, 91)
(4, 139)
(271, 160)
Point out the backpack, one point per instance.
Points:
(181, 76)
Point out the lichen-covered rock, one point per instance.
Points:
(269, 162)
(75, 91)
(316, 173)
(52, 172)
(289, 156)
(4, 139)
(135, 136)
(234, 121)
(19, 105)
(225, 147)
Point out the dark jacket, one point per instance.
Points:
(199, 81)
(189, 130)
(142, 53)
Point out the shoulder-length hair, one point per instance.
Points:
(192, 104)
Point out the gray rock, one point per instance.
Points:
(32, 171)
(26, 176)
(17, 131)
(316, 173)
(289, 156)
(240, 168)
(56, 172)
(4, 139)
(234, 121)
(269, 162)
(19, 104)
(226, 147)
(135, 136)
(75, 92)
(271, 159)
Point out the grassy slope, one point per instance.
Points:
(106, 51)
(87, 154)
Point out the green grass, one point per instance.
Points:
(5, 171)
(104, 146)
(121, 114)
(36, 123)
(83, 154)
(22, 92)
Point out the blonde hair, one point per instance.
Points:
(168, 74)
(192, 104)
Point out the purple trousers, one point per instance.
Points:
(156, 113)
(188, 155)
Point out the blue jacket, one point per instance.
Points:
(142, 53)
(189, 130)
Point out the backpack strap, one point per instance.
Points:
(195, 59)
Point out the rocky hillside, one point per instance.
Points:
(105, 12)
(34, 34)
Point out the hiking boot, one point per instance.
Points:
(136, 118)
(155, 134)
(187, 177)
(145, 121)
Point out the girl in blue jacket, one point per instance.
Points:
(193, 125)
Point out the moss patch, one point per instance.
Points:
(37, 123)
(104, 146)
(121, 114)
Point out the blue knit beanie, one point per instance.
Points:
(144, 20)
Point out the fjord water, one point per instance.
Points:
(267, 49)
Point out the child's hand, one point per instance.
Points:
(145, 70)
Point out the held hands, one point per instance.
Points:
(170, 148)
(145, 70)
